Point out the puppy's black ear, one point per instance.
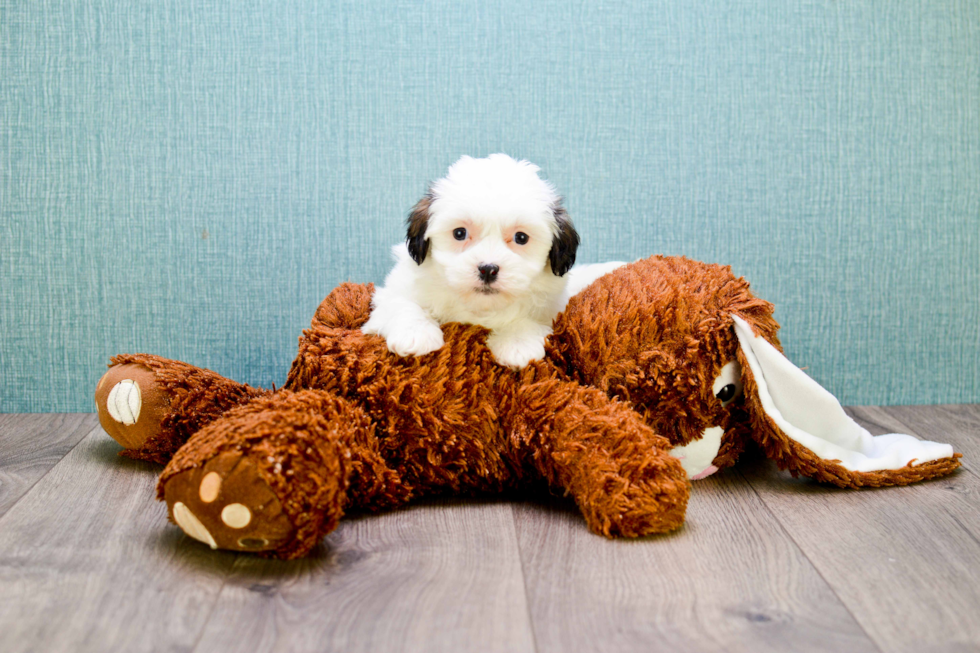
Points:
(418, 222)
(564, 244)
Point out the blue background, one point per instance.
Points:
(191, 178)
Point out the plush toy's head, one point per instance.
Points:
(659, 334)
(696, 353)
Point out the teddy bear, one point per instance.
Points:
(657, 373)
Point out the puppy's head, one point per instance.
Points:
(494, 230)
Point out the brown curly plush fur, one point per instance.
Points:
(663, 345)
(628, 375)
(191, 396)
(667, 340)
(358, 427)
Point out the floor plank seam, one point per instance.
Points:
(964, 463)
(527, 597)
(964, 528)
(50, 469)
(813, 565)
(906, 427)
(214, 605)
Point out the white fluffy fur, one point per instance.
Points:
(492, 199)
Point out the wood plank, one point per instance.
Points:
(441, 576)
(730, 580)
(30, 445)
(904, 560)
(88, 563)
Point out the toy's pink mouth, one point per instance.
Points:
(711, 469)
(697, 456)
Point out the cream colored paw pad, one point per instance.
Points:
(210, 486)
(124, 402)
(253, 542)
(191, 525)
(235, 515)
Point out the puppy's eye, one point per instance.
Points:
(521, 238)
(459, 234)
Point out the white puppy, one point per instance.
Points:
(489, 244)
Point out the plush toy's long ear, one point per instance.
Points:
(803, 428)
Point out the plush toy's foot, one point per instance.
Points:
(226, 504)
(152, 405)
(131, 405)
(273, 475)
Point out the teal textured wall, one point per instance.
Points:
(191, 178)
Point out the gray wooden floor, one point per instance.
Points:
(764, 563)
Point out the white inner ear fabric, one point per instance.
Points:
(810, 415)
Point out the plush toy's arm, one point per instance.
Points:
(348, 306)
(599, 451)
(804, 428)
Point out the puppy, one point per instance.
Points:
(489, 244)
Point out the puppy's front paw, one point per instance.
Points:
(417, 339)
(516, 351)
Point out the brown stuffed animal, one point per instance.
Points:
(661, 356)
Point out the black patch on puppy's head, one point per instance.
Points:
(565, 243)
(418, 222)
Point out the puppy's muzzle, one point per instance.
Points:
(488, 272)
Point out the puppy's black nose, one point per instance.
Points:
(488, 272)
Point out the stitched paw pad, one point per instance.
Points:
(131, 404)
(227, 505)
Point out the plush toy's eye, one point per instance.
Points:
(521, 238)
(459, 234)
(728, 384)
(727, 393)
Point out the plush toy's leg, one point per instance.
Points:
(152, 405)
(599, 451)
(276, 475)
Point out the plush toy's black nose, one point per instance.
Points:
(488, 272)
